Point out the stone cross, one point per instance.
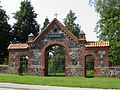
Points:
(56, 15)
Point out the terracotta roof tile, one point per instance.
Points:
(97, 44)
(4, 65)
(18, 46)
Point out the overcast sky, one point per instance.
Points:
(86, 15)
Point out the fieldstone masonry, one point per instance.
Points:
(76, 51)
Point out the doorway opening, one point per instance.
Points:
(55, 60)
(89, 66)
(23, 65)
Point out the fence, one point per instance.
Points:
(4, 68)
(112, 71)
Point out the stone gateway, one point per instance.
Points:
(31, 57)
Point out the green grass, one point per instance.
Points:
(90, 73)
(62, 74)
(63, 81)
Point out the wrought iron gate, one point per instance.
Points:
(23, 65)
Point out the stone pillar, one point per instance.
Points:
(31, 37)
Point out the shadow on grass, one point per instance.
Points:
(89, 76)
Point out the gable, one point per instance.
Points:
(56, 30)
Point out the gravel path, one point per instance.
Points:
(11, 86)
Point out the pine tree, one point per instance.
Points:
(70, 24)
(25, 22)
(4, 35)
(46, 22)
(108, 26)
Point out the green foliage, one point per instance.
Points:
(108, 83)
(57, 63)
(4, 35)
(89, 62)
(108, 27)
(89, 66)
(46, 22)
(25, 22)
(70, 24)
(5, 60)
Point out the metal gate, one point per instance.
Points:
(23, 65)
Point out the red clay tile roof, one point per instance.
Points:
(97, 44)
(4, 65)
(18, 46)
(88, 44)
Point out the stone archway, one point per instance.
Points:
(89, 65)
(55, 60)
(94, 57)
(45, 71)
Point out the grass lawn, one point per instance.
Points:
(57, 74)
(63, 81)
(89, 73)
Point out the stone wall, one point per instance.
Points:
(109, 72)
(75, 59)
(4, 68)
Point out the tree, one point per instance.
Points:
(4, 35)
(25, 22)
(46, 22)
(70, 24)
(108, 27)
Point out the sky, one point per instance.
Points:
(86, 15)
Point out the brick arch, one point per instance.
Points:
(23, 55)
(18, 56)
(95, 58)
(90, 53)
(51, 44)
(56, 43)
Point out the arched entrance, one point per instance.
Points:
(55, 60)
(89, 66)
(23, 65)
